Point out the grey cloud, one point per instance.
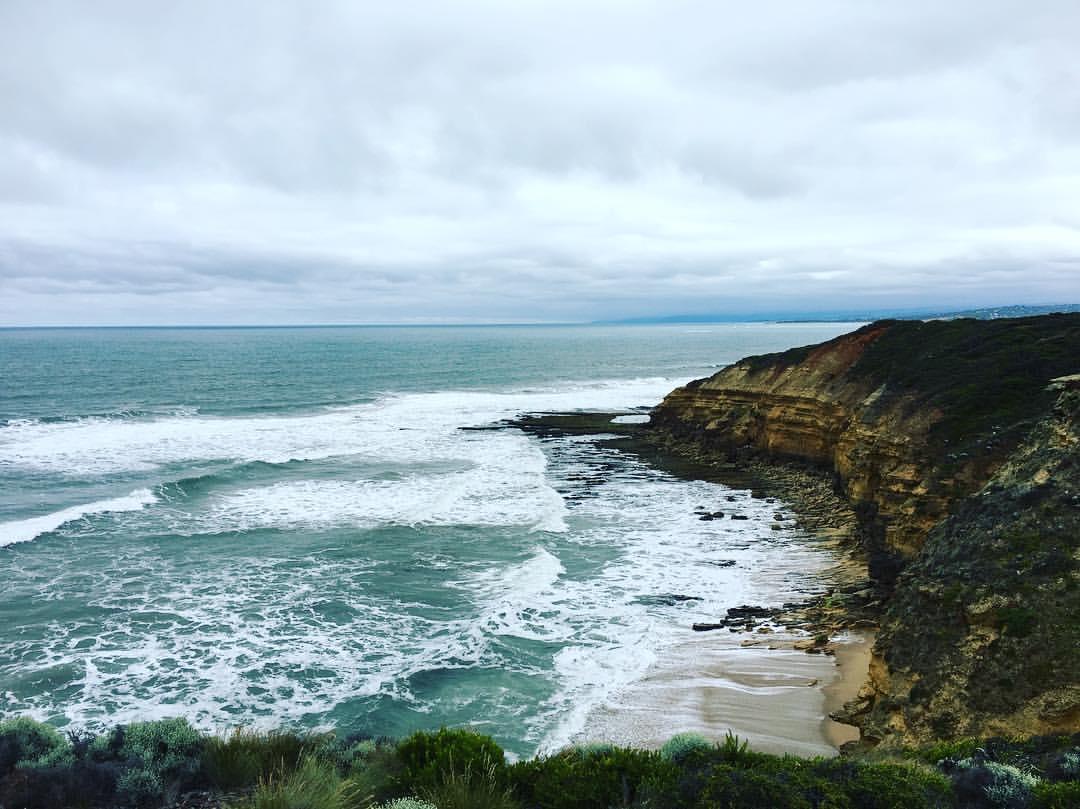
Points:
(553, 160)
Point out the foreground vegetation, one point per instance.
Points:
(152, 764)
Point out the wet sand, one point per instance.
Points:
(853, 663)
(778, 699)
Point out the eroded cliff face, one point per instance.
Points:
(982, 636)
(902, 412)
(811, 408)
(962, 464)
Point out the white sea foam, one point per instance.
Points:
(267, 641)
(502, 485)
(110, 445)
(28, 529)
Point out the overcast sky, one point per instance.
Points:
(273, 162)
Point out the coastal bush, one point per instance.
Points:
(158, 758)
(572, 780)
(681, 745)
(591, 748)
(731, 786)
(140, 787)
(1060, 795)
(148, 764)
(234, 761)
(981, 782)
(1019, 622)
(244, 756)
(885, 785)
(955, 750)
(377, 770)
(426, 758)
(482, 786)
(312, 784)
(1067, 765)
(27, 743)
(82, 784)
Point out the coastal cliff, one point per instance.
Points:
(982, 636)
(958, 453)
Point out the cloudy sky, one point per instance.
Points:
(276, 162)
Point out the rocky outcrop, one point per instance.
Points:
(960, 454)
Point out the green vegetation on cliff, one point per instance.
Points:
(988, 378)
(156, 764)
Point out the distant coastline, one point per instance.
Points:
(858, 316)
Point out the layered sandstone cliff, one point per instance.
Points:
(982, 636)
(920, 421)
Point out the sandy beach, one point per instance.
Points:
(776, 698)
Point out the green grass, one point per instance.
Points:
(246, 756)
(312, 784)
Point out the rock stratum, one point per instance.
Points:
(958, 445)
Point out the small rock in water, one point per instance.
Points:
(666, 599)
(739, 517)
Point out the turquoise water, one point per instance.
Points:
(287, 526)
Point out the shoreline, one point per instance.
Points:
(852, 664)
(773, 680)
(776, 697)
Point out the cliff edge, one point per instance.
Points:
(959, 453)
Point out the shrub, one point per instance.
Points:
(1067, 766)
(571, 780)
(679, 747)
(235, 761)
(426, 758)
(26, 743)
(958, 749)
(245, 756)
(140, 787)
(169, 747)
(742, 787)
(591, 749)
(312, 784)
(159, 758)
(479, 787)
(81, 784)
(1019, 622)
(980, 781)
(1062, 795)
(376, 770)
(736, 751)
(887, 786)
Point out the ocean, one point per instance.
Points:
(288, 526)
